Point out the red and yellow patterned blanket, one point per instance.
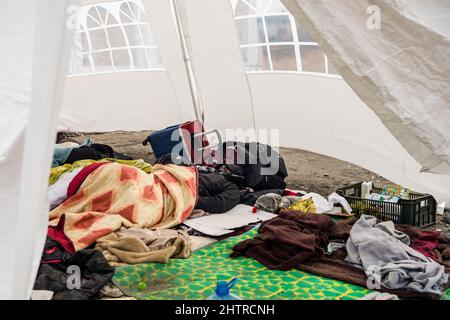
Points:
(116, 195)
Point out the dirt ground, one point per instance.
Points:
(307, 171)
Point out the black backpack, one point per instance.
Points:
(256, 163)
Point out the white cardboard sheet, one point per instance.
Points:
(225, 223)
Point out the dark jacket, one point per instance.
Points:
(216, 194)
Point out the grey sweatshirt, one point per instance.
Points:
(380, 247)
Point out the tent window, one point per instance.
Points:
(256, 57)
(313, 59)
(271, 40)
(113, 37)
(279, 29)
(283, 58)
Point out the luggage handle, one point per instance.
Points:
(210, 147)
(206, 133)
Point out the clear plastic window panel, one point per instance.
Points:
(251, 30)
(313, 59)
(279, 29)
(114, 37)
(256, 58)
(271, 39)
(283, 58)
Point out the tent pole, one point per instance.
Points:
(187, 62)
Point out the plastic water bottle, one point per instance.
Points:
(223, 291)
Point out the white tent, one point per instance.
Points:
(247, 64)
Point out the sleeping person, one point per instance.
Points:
(216, 194)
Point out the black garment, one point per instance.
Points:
(84, 153)
(94, 152)
(106, 151)
(54, 252)
(95, 274)
(121, 156)
(216, 194)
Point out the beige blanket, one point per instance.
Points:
(133, 246)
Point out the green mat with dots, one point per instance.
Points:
(195, 278)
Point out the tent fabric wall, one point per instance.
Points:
(35, 45)
(15, 59)
(432, 13)
(323, 115)
(211, 35)
(401, 70)
(133, 100)
(15, 88)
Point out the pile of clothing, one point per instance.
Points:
(113, 212)
(70, 152)
(402, 260)
(120, 211)
(308, 203)
(68, 274)
(385, 253)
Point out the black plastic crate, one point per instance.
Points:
(419, 210)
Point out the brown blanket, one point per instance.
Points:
(280, 247)
(288, 240)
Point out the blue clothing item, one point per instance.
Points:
(60, 155)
